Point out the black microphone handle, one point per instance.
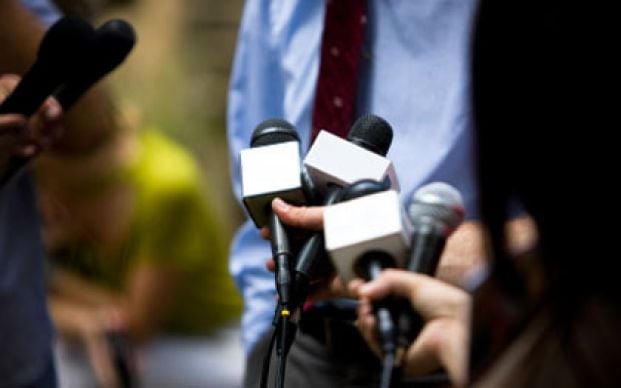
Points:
(427, 247)
(281, 252)
(385, 323)
(113, 42)
(314, 247)
(35, 86)
(387, 330)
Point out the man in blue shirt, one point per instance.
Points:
(415, 74)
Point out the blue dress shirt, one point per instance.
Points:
(415, 75)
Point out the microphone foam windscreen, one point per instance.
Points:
(273, 131)
(65, 41)
(114, 40)
(371, 132)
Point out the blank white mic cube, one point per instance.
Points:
(375, 222)
(338, 161)
(267, 172)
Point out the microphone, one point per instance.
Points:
(435, 211)
(374, 222)
(364, 236)
(113, 41)
(335, 161)
(271, 168)
(57, 57)
(332, 163)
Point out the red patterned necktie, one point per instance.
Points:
(341, 49)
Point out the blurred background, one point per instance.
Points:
(176, 77)
(175, 80)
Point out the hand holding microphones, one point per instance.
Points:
(364, 229)
(369, 232)
(443, 340)
(72, 56)
(433, 325)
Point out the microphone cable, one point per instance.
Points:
(285, 328)
(375, 262)
(282, 336)
(267, 358)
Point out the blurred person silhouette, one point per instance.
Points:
(294, 61)
(134, 244)
(547, 316)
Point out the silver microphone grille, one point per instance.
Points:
(439, 202)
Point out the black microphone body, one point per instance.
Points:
(370, 267)
(113, 41)
(71, 58)
(311, 252)
(427, 247)
(57, 57)
(281, 253)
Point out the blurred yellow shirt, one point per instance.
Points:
(173, 226)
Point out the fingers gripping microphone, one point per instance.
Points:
(112, 42)
(363, 154)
